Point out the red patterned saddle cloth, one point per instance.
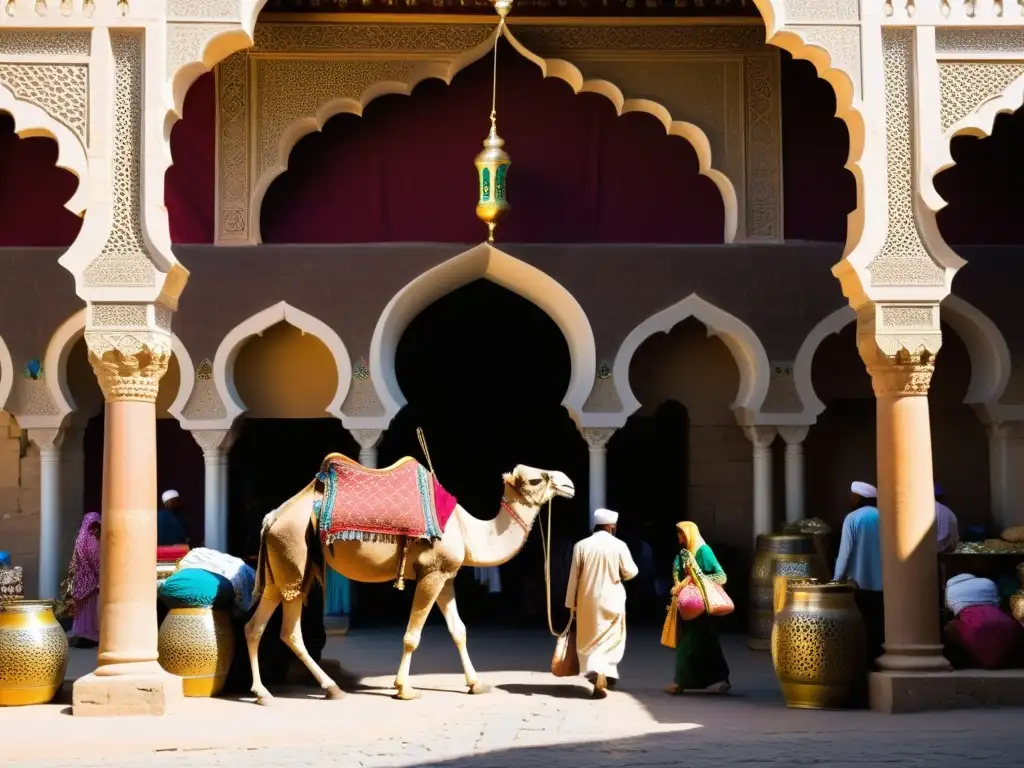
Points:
(363, 504)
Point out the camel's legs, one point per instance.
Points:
(269, 601)
(427, 589)
(457, 629)
(291, 633)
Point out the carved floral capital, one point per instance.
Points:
(596, 438)
(129, 365)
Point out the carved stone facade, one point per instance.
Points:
(262, 114)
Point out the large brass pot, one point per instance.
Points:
(793, 556)
(33, 653)
(819, 646)
(1017, 605)
(198, 645)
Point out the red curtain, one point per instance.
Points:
(33, 191)
(580, 173)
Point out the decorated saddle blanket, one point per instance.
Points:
(363, 504)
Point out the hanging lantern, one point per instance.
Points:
(492, 167)
(492, 163)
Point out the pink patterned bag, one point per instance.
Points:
(690, 602)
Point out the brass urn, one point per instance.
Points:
(33, 653)
(197, 645)
(819, 646)
(790, 556)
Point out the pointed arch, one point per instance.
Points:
(743, 343)
(227, 352)
(6, 373)
(484, 261)
(55, 364)
(987, 349)
(31, 120)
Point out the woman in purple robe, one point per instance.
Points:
(86, 587)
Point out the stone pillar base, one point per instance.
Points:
(117, 695)
(896, 693)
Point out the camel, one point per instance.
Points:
(292, 556)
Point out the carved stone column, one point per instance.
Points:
(795, 488)
(1006, 487)
(48, 441)
(901, 371)
(128, 680)
(216, 445)
(368, 440)
(597, 441)
(762, 439)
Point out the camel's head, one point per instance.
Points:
(538, 486)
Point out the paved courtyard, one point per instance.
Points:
(531, 719)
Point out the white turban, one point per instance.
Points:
(865, 490)
(605, 517)
(168, 495)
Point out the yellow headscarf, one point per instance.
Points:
(694, 540)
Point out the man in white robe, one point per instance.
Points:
(600, 563)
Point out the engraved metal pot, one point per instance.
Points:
(33, 653)
(793, 556)
(819, 646)
(1017, 605)
(197, 645)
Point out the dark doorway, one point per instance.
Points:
(648, 462)
(271, 461)
(484, 371)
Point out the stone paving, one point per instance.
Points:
(531, 719)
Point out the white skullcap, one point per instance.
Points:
(605, 517)
(168, 495)
(865, 490)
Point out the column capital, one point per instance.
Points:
(214, 440)
(1005, 430)
(46, 440)
(129, 364)
(368, 439)
(794, 435)
(898, 343)
(761, 436)
(597, 437)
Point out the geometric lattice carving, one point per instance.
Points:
(903, 259)
(335, 38)
(202, 9)
(45, 44)
(782, 394)
(204, 404)
(62, 90)
(764, 158)
(280, 103)
(951, 40)
(603, 398)
(124, 260)
(232, 147)
(120, 315)
(966, 86)
(186, 42)
(822, 10)
(548, 39)
(843, 46)
(362, 399)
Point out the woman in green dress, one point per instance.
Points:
(700, 663)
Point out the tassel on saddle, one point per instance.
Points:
(399, 582)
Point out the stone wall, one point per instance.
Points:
(19, 499)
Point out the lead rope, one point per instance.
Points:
(545, 541)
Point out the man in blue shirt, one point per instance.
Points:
(860, 560)
(169, 528)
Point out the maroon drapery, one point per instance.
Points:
(579, 172)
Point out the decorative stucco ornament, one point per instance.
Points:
(492, 163)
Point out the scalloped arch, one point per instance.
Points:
(991, 364)
(483, 261)
(980, 123)
(231, 345)
(6, 373)
(56, 360)
(31, 120)
(559, 68)
(743, 343)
